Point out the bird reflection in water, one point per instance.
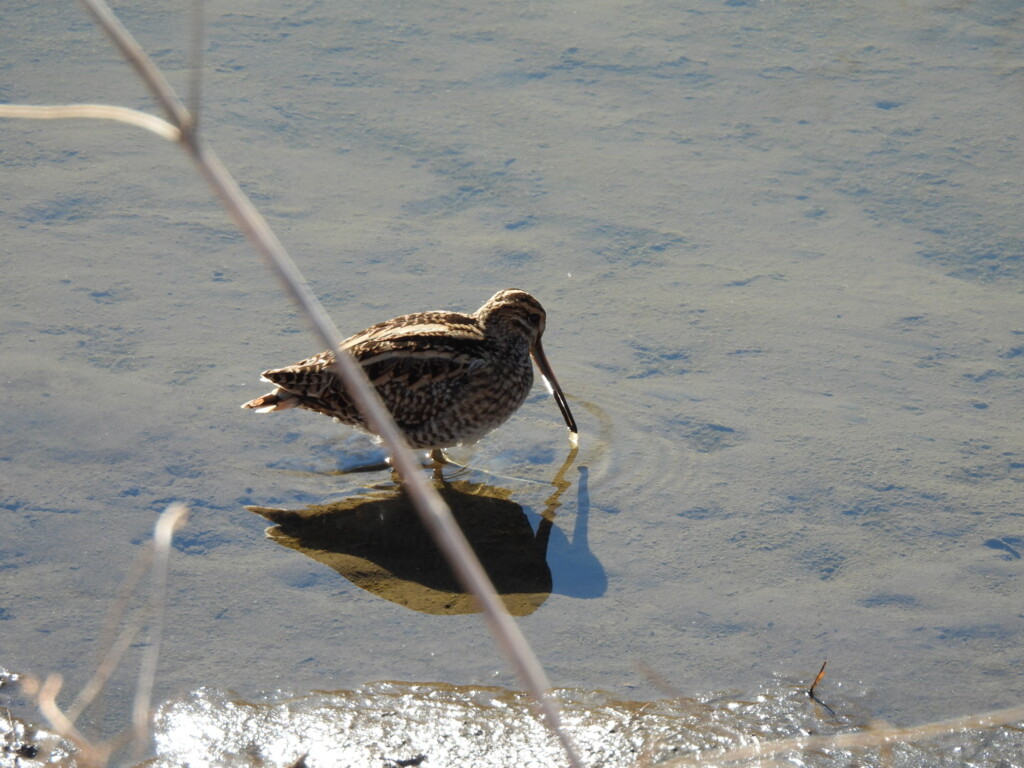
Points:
(376, 541)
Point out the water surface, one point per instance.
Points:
(781, 250)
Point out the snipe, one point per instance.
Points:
(447, 377)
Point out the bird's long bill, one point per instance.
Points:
(552, 384)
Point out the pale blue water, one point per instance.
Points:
(781, 250)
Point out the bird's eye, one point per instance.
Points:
(534, 318)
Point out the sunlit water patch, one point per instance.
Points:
(392, 723)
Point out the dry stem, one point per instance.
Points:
(435, 513)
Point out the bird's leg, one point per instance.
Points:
(437, 462)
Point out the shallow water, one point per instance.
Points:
(400, 724)
(781, 251)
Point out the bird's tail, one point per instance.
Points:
(274, 401)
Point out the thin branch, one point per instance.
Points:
(103, 672)
(821, 674)
(170, 521)
(161, 128)
(197, 49)
(45, 694)
(114, 642)
(89, 755)
(144, 66)
(436, 515)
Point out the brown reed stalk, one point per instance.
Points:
(91, 754)
(169, 522)
(181, 127)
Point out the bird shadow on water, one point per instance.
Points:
(377, 541)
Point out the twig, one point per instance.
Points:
(144, 66)
(103, 672)
(436, 515)
(89, 755)
(45, 694)
(197, 50)
(115, 643)
(161, 128)
(821, 674)
(813, 696)
(170, 521)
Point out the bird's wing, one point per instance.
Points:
(415, 362)
(412, 351)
